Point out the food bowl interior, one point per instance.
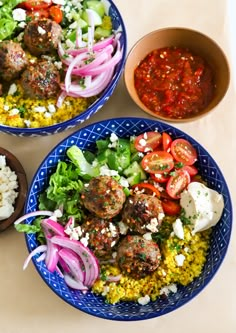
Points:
(16, 166)
(128, 311)
(118, 26)
(198, 43)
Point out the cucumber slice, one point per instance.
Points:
(97, 6)
(96, 17)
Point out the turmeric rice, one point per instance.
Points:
(17, 111)
(194, 249)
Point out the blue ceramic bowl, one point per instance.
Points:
(126, 311)
(118, 24)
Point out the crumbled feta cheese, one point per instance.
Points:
(172, 288)
(59, 2)
(41, 31)
(13, 112)
(113, 137)
(105, 171)
(178, 229)
(47, 115)
(112, 229)
(144, 300)
(179, 258)
(123, 182)
(51, 108)
(27, 122)
(142, 142)
(12, 89)
(123, 228)
(105, 290)
(19, 14)
(153, 225)
(21, 25)
(40, 109)
(8, 189)
(148, 236)
(58, 64)
(6, 107)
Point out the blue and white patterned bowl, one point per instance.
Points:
(118, 25)
(126, 311)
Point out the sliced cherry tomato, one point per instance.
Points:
(166, 141)
(183, 151)
(192, 170)
(147, 141)
(56, 13)
(38, 14)
(171, 207)
(158, 161)
(36, 4)
(160, 177)
(177, 183)
(148, 187)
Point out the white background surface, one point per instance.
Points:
(26, 303)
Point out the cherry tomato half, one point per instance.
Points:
(146, 186)
(177, 183)
(147, 141)
(36, 4)
(37, 14)
(183, 151)
(192, 170)
(56, 13)
(171, 207)
(158, 161)
(160, 177)
(166, 141)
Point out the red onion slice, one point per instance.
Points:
(39, 249)
(74, 284)
(89, 260)
(74, 264)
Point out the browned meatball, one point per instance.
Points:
(104, 197)
(137, 256)
(102, 236)
(143, 213)
(42, 36)
(41, 80)
(13, 60)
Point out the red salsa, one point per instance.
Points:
(173, 82)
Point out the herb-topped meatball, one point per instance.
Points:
(102, 236)
(41, 80)
(13, 60)
(104, 197)
(137, 256)
(143, 213)
(42, 36)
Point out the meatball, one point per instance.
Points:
(104, 197)
(42, 36)
(13, 60)
(143, 213)
(41, 81)
(137, 256)
(102, 236)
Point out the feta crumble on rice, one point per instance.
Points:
(8, 187)
(179, 259)
(178, 229)
(171, 288)
(144, 300)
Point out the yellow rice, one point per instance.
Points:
(70, 108)
(193, 247)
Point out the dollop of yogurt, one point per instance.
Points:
(203, 206)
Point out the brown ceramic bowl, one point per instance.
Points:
(16, 166)
(199, 44)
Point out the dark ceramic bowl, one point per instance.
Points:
(15, 166)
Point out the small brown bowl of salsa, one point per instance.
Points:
(176, 74)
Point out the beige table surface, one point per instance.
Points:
(26, 303)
